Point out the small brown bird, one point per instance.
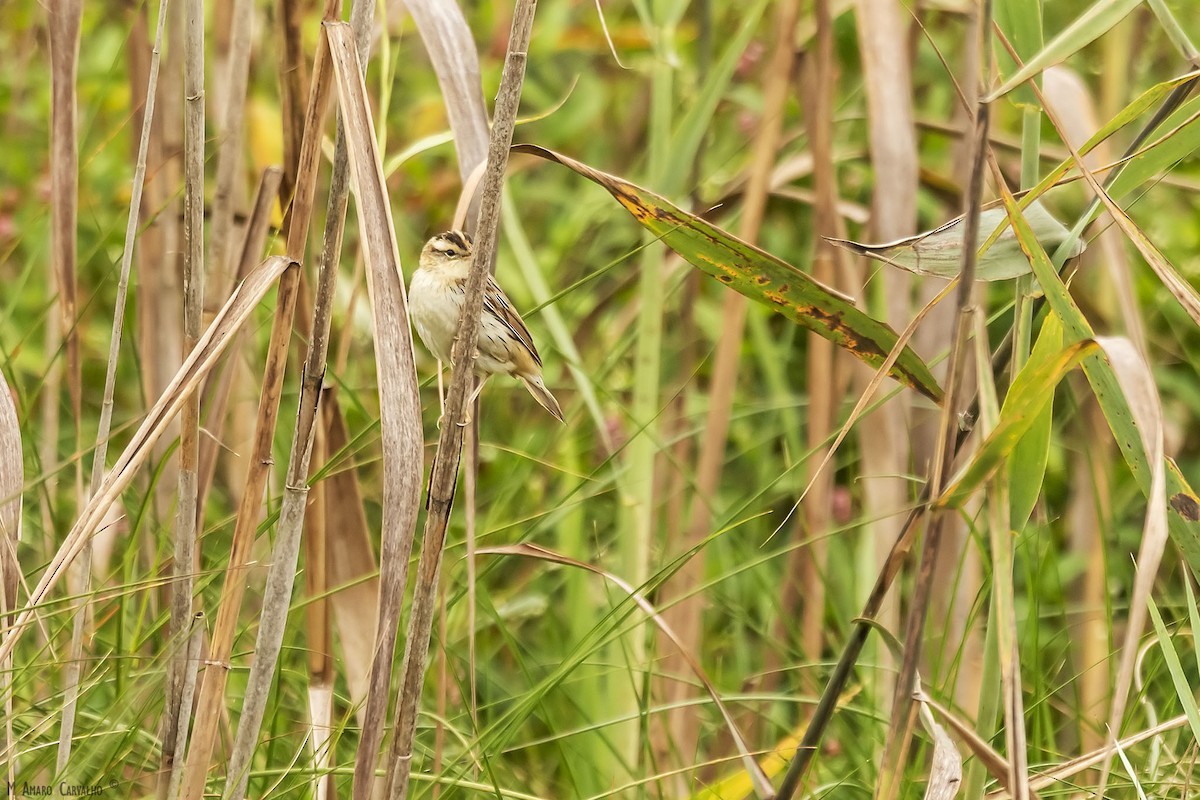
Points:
(435, 300)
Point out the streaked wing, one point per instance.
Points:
(497, 303)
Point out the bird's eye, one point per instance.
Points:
(451, 252)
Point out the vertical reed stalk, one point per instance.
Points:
(229, 151)
(905, 709)
(193, 300)
(213, 686)
(885, 435)
(64, 20)
(807, 565)
(450, 443)
(99, 456)
(192, 650)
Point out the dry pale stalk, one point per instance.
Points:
(64, 18)
(229, 320)
(885, 435)
(904, 711)
(450, 443)
(213, 686)
(229, 151)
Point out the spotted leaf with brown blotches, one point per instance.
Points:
(760, 276)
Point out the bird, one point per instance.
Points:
(436, 295)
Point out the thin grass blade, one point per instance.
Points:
(1089, 26)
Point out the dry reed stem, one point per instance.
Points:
(904, 709)
(218, 391)
(450, 443)
(200, 361)
(351, 560)
(293, 82)
(683, 725)
(1089, 522)
(451, 48)
(321, 736)
(400, 403)
(885, 436)
(64, 22)
(12, 481)
(318, 635)
(193, 298)
(187, 693)
(99, 456)
(229, 151)
(309, 427)
(159, 336)
(808, 564)
(212, 689)
(398, 386)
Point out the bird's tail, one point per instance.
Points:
(537, 388)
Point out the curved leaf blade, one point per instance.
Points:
(939, 253)
(1088, 27)
(759, 276)
(1030, 393)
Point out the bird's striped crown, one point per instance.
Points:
(452, 244)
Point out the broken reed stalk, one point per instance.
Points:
(213, 687)
(217, 392)
(228, 321)
(450, 443)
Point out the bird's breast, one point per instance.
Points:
(435, 304)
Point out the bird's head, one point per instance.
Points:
(446, 248)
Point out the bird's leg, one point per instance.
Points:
(441, 396)
(471, 402)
